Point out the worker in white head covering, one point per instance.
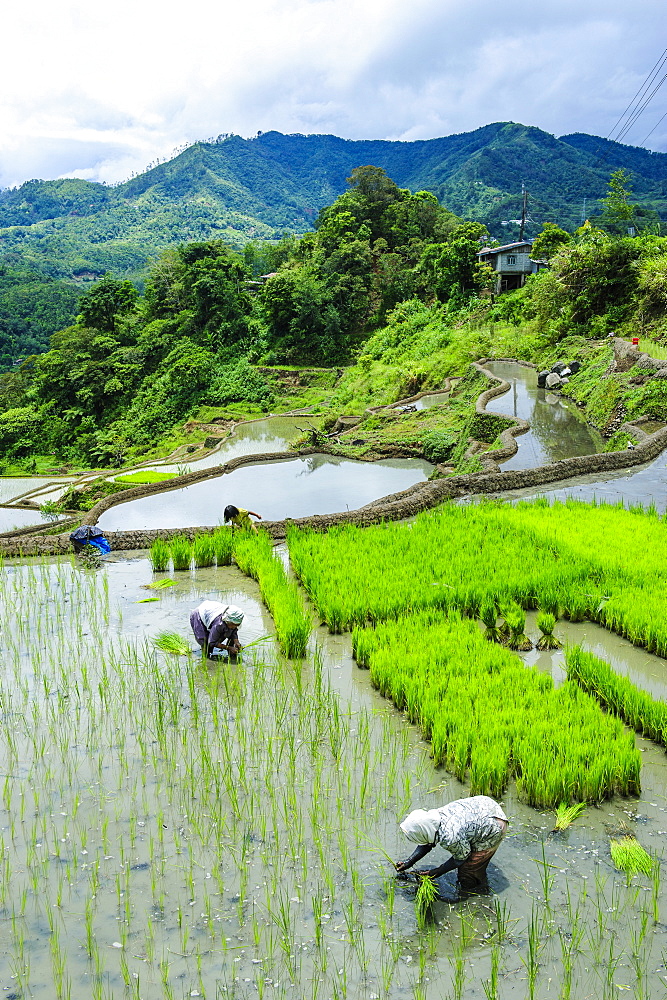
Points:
(470, 829)
(216, 626)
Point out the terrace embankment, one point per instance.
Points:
(397, 506)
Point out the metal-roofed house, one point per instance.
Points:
(511, 262)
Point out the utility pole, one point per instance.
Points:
(524, 211)
(583, 211)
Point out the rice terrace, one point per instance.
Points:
(174, 828)
(440, 585)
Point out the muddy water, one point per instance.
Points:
(556, 428)
(117, 844)
(317, 484)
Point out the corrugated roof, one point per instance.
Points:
(507, 246)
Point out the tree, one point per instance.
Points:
(451, 270)
(549, 242)
(618, 213)
(215, 293)
(106, 302)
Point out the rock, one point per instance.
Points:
(566, 372)
(558, 367)
(542, 379)
(564, 380)
(552, 380)
(575, 366)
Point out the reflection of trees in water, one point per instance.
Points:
(559, 431)
(314, 462)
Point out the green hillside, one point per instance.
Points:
(255, 189)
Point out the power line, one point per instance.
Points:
(641, 109)
(654, 128)
(639, 96)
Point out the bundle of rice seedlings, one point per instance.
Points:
(181, 552)
(159, 555)
(546, 623)
(515, 618)
(171, 642)
(426, 894)
(629, 856)
(567, 814)
(203, 550)
(160, 584)
(489, 616)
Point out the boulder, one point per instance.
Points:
(575, 366)
(558, 367)
(552, 380)
(542, 379)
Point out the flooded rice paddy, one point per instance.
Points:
(175, 828)
(557, 430)
(316, 484)
(250, 438)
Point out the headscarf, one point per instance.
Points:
(210, 610)
(422, 827)
(233, 614)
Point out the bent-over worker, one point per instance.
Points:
(470, 829)
(240, 517)
(216, 625)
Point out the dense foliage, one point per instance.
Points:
(32, 307)
(388, 284)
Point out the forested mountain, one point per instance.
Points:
(255, 189)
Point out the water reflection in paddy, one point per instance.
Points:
(254, 438)
(556, 429)
(316, 484)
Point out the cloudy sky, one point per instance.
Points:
(99, 90)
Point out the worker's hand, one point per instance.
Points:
(422, 873)
(400, 865)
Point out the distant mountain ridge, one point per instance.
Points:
(240, 189)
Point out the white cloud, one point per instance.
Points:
(100, 91)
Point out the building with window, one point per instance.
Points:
(511, 262)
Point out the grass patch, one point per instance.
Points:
(145, 476)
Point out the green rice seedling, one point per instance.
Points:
(618, 694)
(254, 556)
(172, 642)
(223, 544)
(427, 892)
(546, 623)
(181, 552)
(629, 856)
(203, 550)
(489, 617)
(515, 617)
(565, 814)
(161, 584)
(160, 554)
